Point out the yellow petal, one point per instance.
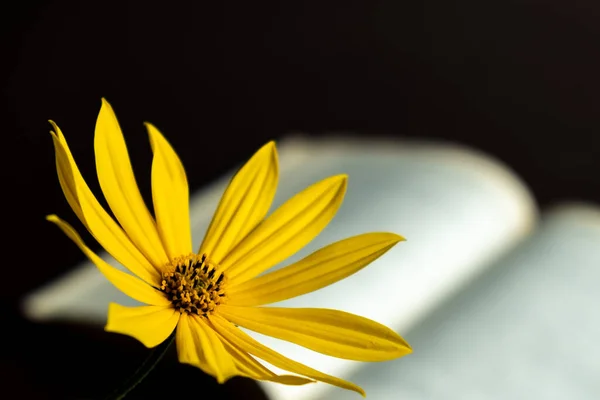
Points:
(246, 343)
(151, 325)
(287, 230)
(170, 195)
(324, 267)
(188, 350)
(130, 285)
(244, 204)
(63, 169)
(332, 332)
(199, 345)
(101, 225)
(248, 366)
(120, 188)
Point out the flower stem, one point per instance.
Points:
(156, 354)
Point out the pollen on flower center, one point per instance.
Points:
(194, 284)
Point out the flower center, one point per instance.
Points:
(194, 284)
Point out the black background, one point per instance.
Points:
(517, 79)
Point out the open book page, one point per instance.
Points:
(458, 209)
(526, 329)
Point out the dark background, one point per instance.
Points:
(516, 79)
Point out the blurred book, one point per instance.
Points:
(496, 302)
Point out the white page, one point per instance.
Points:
(527, 329)
(457, 208)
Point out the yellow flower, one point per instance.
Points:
(206, 295)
